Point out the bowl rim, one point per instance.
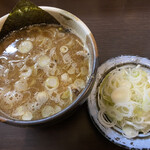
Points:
(82, 96)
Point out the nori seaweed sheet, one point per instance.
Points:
(25, 13)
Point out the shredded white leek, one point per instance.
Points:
(124, 100)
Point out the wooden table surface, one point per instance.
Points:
(120, 27)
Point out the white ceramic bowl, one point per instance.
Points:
(70, 21)
(115, 134)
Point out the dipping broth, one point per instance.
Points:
(43, 69)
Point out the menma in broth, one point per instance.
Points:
(43, 68)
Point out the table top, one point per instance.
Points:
(120, 27)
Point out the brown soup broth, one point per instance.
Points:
(42, 70)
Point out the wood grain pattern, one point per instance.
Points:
(120, 27)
